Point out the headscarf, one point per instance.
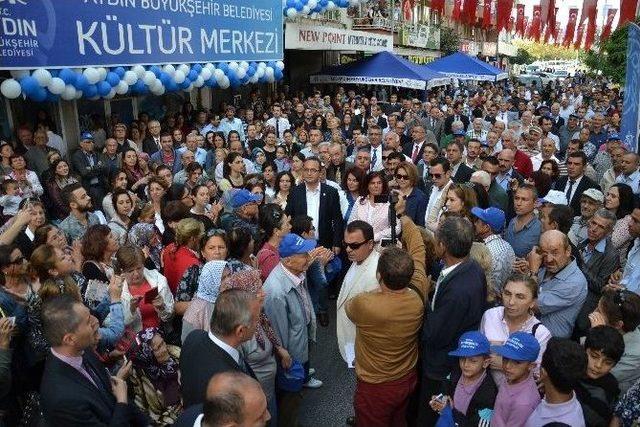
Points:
(254, 156)
(143, 234)
(164, 377)
(249, 280)
(209, 281)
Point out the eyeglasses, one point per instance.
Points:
(356, 246)
(435, 175)
(398, 176)
(216, 232)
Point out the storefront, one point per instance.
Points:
(76, 59)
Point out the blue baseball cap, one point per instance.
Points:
(613, 137)
(521, 346)
(292, 244)
(242, 197)
(86, 136)
(494, 217)
(472, 343)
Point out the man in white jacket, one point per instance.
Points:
(361, 277)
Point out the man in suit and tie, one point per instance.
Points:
(456, 116)
(460, 172)
(556, 119)
(277, 122)
(414, 149)
(338, 166)
(440, 174)
(434, 123)
(319, 201)
(374, 134)
(76, 388)
(393, 106)
(205, 354)
(575, 183)
(151, 144)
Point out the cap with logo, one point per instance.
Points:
(520, 346)
(494, 217)
(86, 136)
(292, 244)
(243, 197)
(555, 197)
(472, 343)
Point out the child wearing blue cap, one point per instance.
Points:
(475, 391)
(519, 396)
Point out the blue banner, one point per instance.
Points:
(81, 33)
(630, 128)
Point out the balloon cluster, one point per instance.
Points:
(95, 83)
(293, 8)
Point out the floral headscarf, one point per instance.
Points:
(143, 234)
(209, 281)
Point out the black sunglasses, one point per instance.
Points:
(435, 175)
(356, 246)
(398, 176)
(216, 232)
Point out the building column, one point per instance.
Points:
(69, 124)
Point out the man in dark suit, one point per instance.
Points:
(456, 307)
(393, 106)
(434, 123)
(575, 183)
(456, 116)
(76, 389)
(320, 202)
(338, 166)
(205, 354)
(86, 162)
(414, 149)
(151, 144)
(460, 172)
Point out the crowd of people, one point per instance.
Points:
(482, 246)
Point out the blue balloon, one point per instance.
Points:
(165, 78)
(90, 91)
(245, 79)
(119, 71)
(197, 68)
(54, 73)
(185, 84)
(39, 95)
(52, 98)
(291, 3)
(81, 82)
(155, 70)
(104, 88)
(113, 79)
(278, 74)
(298, 5)
(68, 76)
(223, 66)
(172, 86)
(139, 87)
(29, 85)
(193, 74)
(271, 64)
(251, 71)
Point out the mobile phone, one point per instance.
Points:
(150, 295)
(12, 319)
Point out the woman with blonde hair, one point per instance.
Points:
(179, 256)
(461, 198)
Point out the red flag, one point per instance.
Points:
(535, 24)
(587, 7)
(627, 11)
(592, 12)
(545, 8)
(503, 13)
(469, 12)
(437, 6)
(579, 35)
(547, 34)
(486, 14)
(520, 20)
(571, 28)
(556, 36)
(455, 14)
(407, 10)
(551, 19)
(606, 31)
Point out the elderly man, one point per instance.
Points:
(599, 259)
(598, 135)
(523, 231)
(374, 133)
(186, 158)
(603, 159)
(548, 152)
(338, 165)
(416, 147)
(87, 164)
(630, 277)
(563, 287)
(521, 161)
(477, 131)
(567, 131)
(362, 159)
(492, 145)
(245, 212)
(590, 201)
(151, 143)
(191, 144)
(630, 174)
(506, 169)
(36, 155)
(488, 224)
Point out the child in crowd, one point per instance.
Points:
(519, 396)
(475, 391)
(598, 392)
(564, 364)
(10, 200)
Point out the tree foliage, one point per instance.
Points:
(523, 57)
(449, 41)
(611, 60)
(542, 51)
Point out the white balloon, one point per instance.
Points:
(271, 79)
(269, 72)
(42, 76)
(306, 10)
(218, 74)
(56, 86)
(311, 4)
(10, 88)
(122, 87)
(79, 94)
(209, 66)
(69, 93)
(184, 68)
(92, 75)
(292, 12)
(331, 5)
(139, 70)
(169, 69)
(253, 79)
(18, 74)
(240, 73)
(159, 92)
(130, 77)
(259, 72)
(111, 94)
(156, 84)
(206, 73)
(179, 76)
(244, 65)
(224, 84)
(262, 65)
(102, 72)
(233, 65)
(280, 65)
(148, 78)
(199, 82)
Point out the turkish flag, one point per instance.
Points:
(579, 35)
(556, 36)
(455, 14)
(407, 10)
(606, 31)
(592, 12)
(551, 18)
(627, 11)
(545, 6)
(571, 28)
(469, 12)
(587, 7)
(503, 13)
(520, 25)
(536, 24)
(437, 5)
(486, 14)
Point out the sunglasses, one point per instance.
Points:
(356, 246)
(435, 175)
(216, 232)
(398, 176)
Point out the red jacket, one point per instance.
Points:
(176, 262)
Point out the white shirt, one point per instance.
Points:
(413, 148)
(433, 198)
(313, 206)
(283, 124)
(378, 164)
(573, 189)
(503, 117)
(56, 141)
(234, 353)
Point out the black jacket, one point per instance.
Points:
(597, 398)
(463, 174)
(460, 302)
(483, 398)
(69, 399)
(585, 184)
(330, 221)
(150, 146)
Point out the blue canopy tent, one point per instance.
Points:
(384, 69)
(464, 67)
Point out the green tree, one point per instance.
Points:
(523, 57)
(449, 41)
(611, 60)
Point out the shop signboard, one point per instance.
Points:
(306, 37)
(81, 33)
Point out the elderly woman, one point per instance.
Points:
(28, 182)
(406, 176)
(519, 297)
(179, 256)
(144, 235)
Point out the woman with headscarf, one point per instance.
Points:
(155, 376)
(258, 157)
(144, 235)
(259, 352)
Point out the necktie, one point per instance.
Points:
(414, 155)
(338, 176)
(569, 190)
(374, 158)
(278, 128)
(94, 377)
